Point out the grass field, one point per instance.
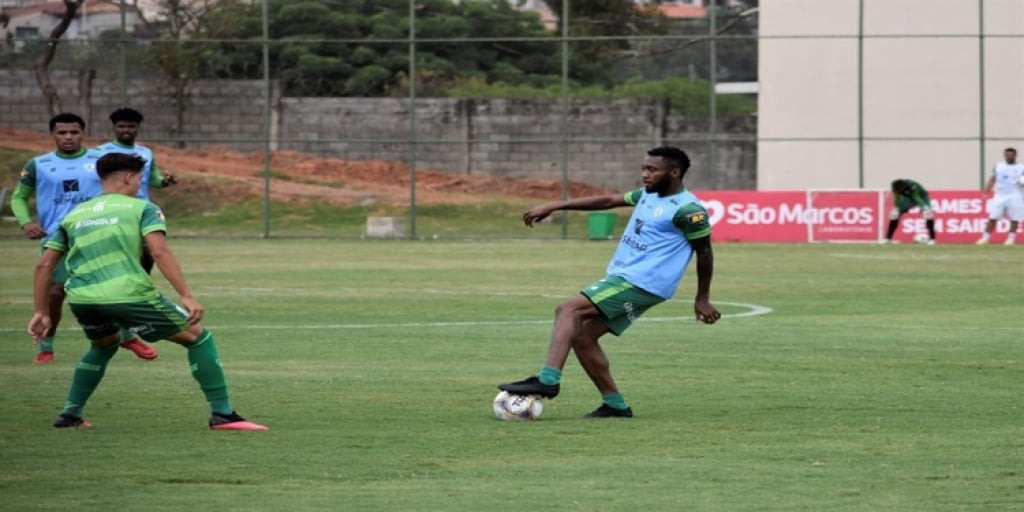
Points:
(842, 378)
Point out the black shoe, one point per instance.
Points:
(531, 386)
(70, 421)
(607, 411)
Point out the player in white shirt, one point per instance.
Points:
(1008, 200)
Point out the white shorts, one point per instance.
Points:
(1011, 206)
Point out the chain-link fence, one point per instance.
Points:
(441, 119)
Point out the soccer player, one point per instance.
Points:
(1008, 200)
(118, 293)
(907, 194)
(668, 226)
(60, 180)
(126, 123)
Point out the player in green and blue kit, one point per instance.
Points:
(126, 123)
(907, 194)
(668, 227)
(108, 290)
(61, 180)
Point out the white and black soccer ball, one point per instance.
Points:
(921, 238)
(509, 407)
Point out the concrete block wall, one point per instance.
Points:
(497, 137)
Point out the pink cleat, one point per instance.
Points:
(140, 349)
(44, 358)
(233, 422)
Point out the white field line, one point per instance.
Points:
(751, 310)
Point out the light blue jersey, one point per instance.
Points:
(135, 149)
(61, 182)
(655, 249)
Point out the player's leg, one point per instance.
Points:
(92, 366)
(929, 221)
(995, 208)
(129, 340)
(55, 299)
(592, 358)
(170, 322)
(569, 320)
(1015, 210)
(894, 219)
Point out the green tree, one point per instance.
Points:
(361, 48)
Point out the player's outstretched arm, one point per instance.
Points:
(704, 311)
(541, 212)
(169, 267)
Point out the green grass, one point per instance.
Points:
(882, 378)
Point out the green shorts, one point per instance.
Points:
(60, 270)
(904, 204)
(151, 321)
(619, 302)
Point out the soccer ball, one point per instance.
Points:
(921, 238)
(509, 407)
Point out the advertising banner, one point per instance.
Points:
(841, 216)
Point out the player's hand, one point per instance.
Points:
(38, 326)
(33, 231)
(535, 215)
(195, 310)
(170, 179)
(705, 312)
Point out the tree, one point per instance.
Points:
(42, 67)
(187, 31)
(361, 48)
(611, 19)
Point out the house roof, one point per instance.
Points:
(57, 8)
(683, 11)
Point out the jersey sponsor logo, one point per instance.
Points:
(696, 218)
(141, 329)
(88, 223)
(634, 243)
(70, 199)
(658, 211)
(70, 185)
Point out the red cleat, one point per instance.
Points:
(140, 349)
(44, 358)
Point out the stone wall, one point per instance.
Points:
(500, 137)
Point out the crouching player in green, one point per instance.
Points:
(108, 289)
(907, 194)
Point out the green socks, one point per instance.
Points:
(88, 374)
(206, 369)
(615, 400)
(549, 375)
(45, 346)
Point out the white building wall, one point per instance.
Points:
(924, 90)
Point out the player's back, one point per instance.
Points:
(103, 241)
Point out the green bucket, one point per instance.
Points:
(601, 225)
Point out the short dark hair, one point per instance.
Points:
(1009, 149)
(674, 155)
(66, 117)
(116, 162)
(126, 114)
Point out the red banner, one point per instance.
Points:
(842, 216)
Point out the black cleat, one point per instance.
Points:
(70, 421)
(607, 411)
(531, 386)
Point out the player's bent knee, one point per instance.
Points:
(927, 213)
(894, 214)
(188, 336)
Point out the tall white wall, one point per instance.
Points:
(921, 111)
